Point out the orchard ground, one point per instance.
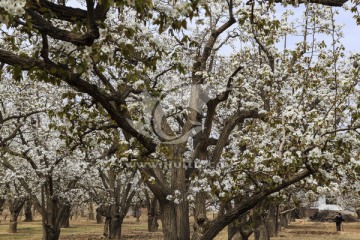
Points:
(83, 229)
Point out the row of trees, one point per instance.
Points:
(196, 101)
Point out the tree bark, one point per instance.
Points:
(112, 228)
(115, 228)
(240, 228)
(2, 201)
(265, 217)
(82, 213)
(260, 231)
(99, 219)
(50, 232)
(137, 211)
(65, 223)
(178, 182)
(245, 228)
(358, 213)
(91, 211)
(168, 220)
(107, 227)
(28, 211)
(200, 218)
(13, 222)
(15, 207)
(182, 220)
(152, 206)
(65, 219)
(233, 232)
(113, 221)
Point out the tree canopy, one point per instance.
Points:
(204, 99)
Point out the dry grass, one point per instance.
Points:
(33, 231)
(320, 231)
(82, 229)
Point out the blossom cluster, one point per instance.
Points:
(13, 7)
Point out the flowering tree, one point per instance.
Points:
(252, 121)
(38, 164)
(14, 115)
(49, 173)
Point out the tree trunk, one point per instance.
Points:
(82, 213)
(13, 222)
(260, 231)
(271, 220)
(115, 228)
(113, 220)
(182, 220)
(2, 201)
(34, 211)
(245, 228)
(91, 211)
(240, 228)
(168, 220)
(174, 217)
(50, 232)
(15, 207)
(28, 211)
(112, 228)
(200, 218)
(285, 219)
(137, 211)
(153, 215)
(233, 232)
(65, 223)
(107, 227)
(178, 183)
(65, 218)
(99, 219)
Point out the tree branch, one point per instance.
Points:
(219, 223)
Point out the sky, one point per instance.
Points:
(351, 31)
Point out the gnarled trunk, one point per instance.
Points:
(65, 218)
(152, 206)
(200, 218)
(112, 228)
(91, 211)
(99, 219)
(113, 221)
(174, 216)
(245, 228)
(136, 211)
(13, 222)
(28, 211)
(2, 201)
(241, 228)
(107, 227)
(265, 220)
(168, 220)
(15, 207)
(182, 220)
(50, 232)
(115, 228)
(233, 231)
